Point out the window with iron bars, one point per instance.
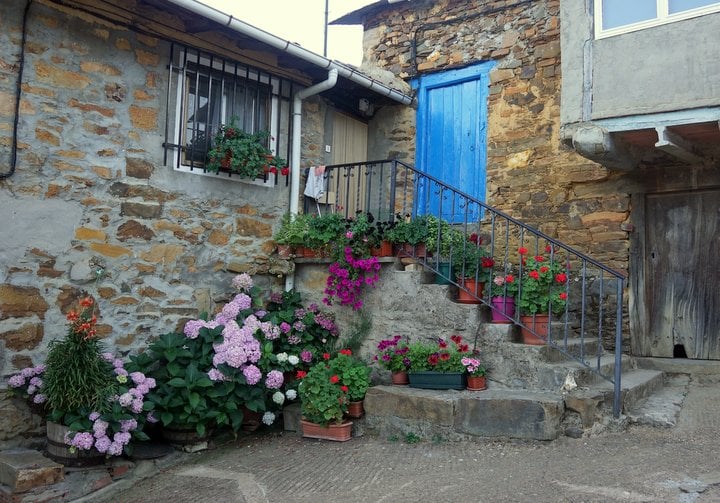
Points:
(209, 91)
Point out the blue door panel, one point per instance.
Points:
(451, 136)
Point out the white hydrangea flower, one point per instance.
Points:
(278, 397)
(268, 418)
(293, 360)
(291, 394)
(282, 357)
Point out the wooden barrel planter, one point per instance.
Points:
(59, 451)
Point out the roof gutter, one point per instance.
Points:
(293, 49)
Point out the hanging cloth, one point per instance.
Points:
(315, 184)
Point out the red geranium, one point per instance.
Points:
(334, 379)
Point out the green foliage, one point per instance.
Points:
(325, 230)
(77, 377)
(293, 230)
(543, 285)
(411, 231)
(473, 261)
(353, 373)
(358, 330)
(412, 438)
(240, 152)
(322, 399)
(185, 397)
(443, 239)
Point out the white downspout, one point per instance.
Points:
(296, 150)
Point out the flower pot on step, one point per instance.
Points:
(534, 329)
(335, 432)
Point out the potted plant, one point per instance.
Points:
(445, 243)
(476, 380)
(324, 403)
(380, 244)
(291, 234)
(323, 232)
(238, 151)
(438, 364)
(393, 356)
(503, 289)
(411, 235)
(473, 268)
(543, 289)
(354, 374)
(94, 406)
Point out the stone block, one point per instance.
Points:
(19, 301)
(291, 417)
(531, 416)
(413, 404)
(22, 470)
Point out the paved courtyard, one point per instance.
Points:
(642, 464)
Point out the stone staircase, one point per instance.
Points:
(534, 392)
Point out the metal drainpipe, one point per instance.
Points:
(295, 156)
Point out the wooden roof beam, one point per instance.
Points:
(676, 146)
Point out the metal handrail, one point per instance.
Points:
(392, 188)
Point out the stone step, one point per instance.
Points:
(636, 385)
(457, 415)
(661, 408)
(22, 470)
(553, 376)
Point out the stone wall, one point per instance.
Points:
(530, 174)
(92, 209)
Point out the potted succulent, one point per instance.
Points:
(543, 289)
(393, 356)
(354, 374)
(324, 403)
(246, 154)
(438, 364)
(95, 407)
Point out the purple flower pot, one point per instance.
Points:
(503, 309)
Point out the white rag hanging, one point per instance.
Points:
(315, 184)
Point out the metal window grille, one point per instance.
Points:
(210, 91)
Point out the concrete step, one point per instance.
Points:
(661, 408)
(636, 385)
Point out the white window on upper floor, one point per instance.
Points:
(207, 91)
(614, 17)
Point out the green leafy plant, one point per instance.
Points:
(293, 230)
(246, 154)
(353, 372)
(439, 355)
(412, 438)
(543, 285)
(443, 239)
(473, 261)
(413, 231)
(323, 398)
(324, 231)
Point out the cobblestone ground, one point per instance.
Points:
(642, 464)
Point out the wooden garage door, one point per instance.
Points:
(682, 275)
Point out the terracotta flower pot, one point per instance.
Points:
(284, 251)
(476, 383)
(400, 378)
(473, 286)
(356, 409)
(336, 432)
(538, 324)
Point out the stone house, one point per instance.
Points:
(611, 148)
(105, 106)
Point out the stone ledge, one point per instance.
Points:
(24, 469)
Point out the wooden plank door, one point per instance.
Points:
(682, 274)
(349, 145)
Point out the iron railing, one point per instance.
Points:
(391, 190)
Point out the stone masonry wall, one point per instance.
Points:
(92, 209)
(530, 175)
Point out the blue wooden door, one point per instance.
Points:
(451, 138)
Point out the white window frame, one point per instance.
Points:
(179, 163)
(663, 17)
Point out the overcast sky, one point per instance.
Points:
(302, 21)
